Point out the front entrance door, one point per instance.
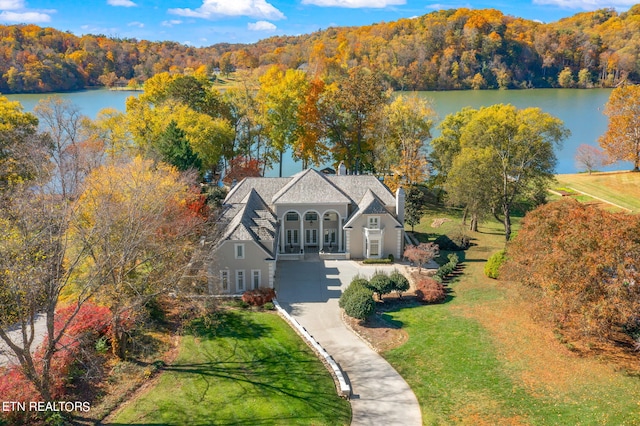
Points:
(311, 237)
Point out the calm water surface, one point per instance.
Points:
(581, 111)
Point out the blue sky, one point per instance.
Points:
(205, 22)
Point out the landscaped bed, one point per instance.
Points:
(241, 367)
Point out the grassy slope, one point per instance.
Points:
(480, 359)
(622, 188)
(252, 369)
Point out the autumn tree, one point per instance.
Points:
(35, 264)
(516, 148)
(421, 254)
(406, 128)
(34, 271)
(352, 112)
(281, 96)
(309, 146)
(470, 184)
(580, 263)
(134, 224)
(589, 157)
(71, 149)
(621, 141)
(22, 149)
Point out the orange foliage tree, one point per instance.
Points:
(582, 264)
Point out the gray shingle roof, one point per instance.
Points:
(355, 186)
(266, 188)
(251, 220)
(309, 187)
(369, 204)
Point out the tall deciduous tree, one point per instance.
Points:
(471, 184)
(134, 224)
(621, 141)
(352, 112)
(407, 123)
(282, 95)
(22, 149)
(518, 152)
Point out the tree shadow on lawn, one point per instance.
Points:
(277, 375)
(227, 324)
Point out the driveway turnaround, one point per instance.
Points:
(309, 291)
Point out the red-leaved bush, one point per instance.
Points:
(90, 323)
(429, 290)
(259, 296)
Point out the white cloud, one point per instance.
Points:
(25, 17)
(11, 4)
(587, 4)
(171, 23)
(123, 3)
(355, 4)
(261, 26)
(135, 24)
(219, 8)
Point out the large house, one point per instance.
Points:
(334, 216)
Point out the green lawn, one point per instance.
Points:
(621, 188)
(249, 369)
(480, 359)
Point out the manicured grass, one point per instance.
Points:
(480, 359)
(621, 188)
(248, 368)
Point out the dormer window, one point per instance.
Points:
(374, 222)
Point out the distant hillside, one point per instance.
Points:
(449, 49)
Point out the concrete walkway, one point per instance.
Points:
(309, 291)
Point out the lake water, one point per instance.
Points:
(581, 111)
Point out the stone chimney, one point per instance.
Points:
(400, 196)
(342, 170)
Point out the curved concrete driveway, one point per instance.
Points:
(309, 291)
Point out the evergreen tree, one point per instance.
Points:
(175, 149)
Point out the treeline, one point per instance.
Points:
(449, 49)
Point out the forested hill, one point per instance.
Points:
(451, 49)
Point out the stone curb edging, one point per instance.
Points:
(344, 390)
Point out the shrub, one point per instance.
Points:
(495, 261)
(377, 261)
(453, 259)
(269, 306)
(400, 282)
(391, 258)
(357, 303)
(430, 291)
(381, 284)
(259, 296)
(358, 283)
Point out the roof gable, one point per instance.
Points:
(370, 204)
(310, 187)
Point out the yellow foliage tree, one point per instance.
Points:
(621, 141)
